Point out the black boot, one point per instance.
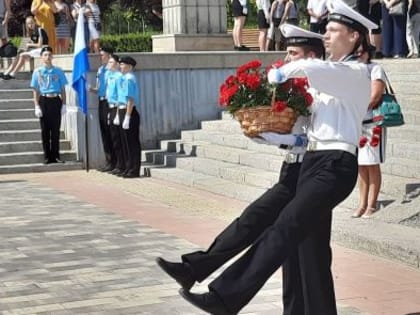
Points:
(208, 302)
(181, 272)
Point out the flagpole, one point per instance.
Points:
(86, 143)
(80, 70)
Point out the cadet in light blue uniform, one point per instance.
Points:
(112, 79)
(103, 111)
(48, 83)
(128, 101)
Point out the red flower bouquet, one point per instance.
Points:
(260, 106)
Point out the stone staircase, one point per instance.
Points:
(20, 134)
(219, 159)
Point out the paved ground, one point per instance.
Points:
(85, 243)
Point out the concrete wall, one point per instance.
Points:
(177, 91)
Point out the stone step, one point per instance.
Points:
(235, 140)
(409, 133)
(411, 117)
(408, 102)
(228, 126)
(17, 103)
(264, 161)
(232, 172)
(39, 167)
(159, 157)
(392, 241)
(208, 183)
(402, 66)
(19, 124)
(403, 148)
(22, 135)
(16, 93)
(32, 157)
(404, 88)
(6, 114)
(22, 146)
(402, 167)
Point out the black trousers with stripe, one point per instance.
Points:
(298, 283)
(130, 142)
(115, 132)
(105, 128)
(326, 178)
(50, 126)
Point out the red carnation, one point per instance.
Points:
(362, 142)
(309, 99)
(253, 82)
(279, 106)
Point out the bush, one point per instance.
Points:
(137, 42)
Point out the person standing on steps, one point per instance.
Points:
(112, 79)
(327, 176)
(240, 12)
(128, 104)
(103, 110)
(48, 84)
(372, 143)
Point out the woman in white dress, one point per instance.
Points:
(93, 14)
(372, 143)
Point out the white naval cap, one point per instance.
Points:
(296, 36)
(342, 13)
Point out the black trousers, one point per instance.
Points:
(298, 281)
(130, 142)
(50, 126)
(116, 135)
(326, 178)
(105, 128)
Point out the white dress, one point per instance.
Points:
(371, 153)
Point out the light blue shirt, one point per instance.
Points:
(100, 76)
(112, 79)
(48, 80)
(129, 89)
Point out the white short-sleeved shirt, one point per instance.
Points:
(319, 7)
(342, 98)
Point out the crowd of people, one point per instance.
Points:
(119, 120)
(397, 34)
(51, 23)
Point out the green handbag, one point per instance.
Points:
(388, 113)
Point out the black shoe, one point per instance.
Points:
(181, 272)
(106, 168)
(8, 77)
(236, 47)
(46, 161)
(379, 55)
(117, 171)
(56, 161)
(208, 302)
(243, 48)
(1, 75)
(130, 175)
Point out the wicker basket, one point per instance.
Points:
(255, 120)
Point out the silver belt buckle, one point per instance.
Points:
(312, 145)
(291, 158)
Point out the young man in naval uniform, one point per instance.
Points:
(104, 111)
(48, 84)
(328, 171)
(263, 212)
(128, 103)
